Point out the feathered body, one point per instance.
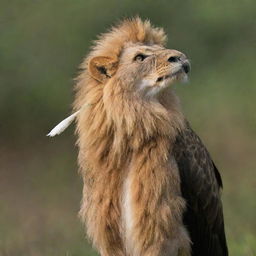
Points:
(133, 202)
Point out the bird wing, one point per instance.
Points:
(200, 186)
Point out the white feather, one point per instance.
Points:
(59, 128)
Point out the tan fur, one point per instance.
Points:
(125, 137)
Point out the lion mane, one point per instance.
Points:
(132, 202)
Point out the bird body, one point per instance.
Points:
(200, 185)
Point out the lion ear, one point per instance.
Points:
(102, 67)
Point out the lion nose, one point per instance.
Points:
(175, 56)
(178, 57)
(186, 67)
(174, 59)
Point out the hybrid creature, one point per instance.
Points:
(150, 185)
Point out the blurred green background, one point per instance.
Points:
(42, 43)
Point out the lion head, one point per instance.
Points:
(133, 56)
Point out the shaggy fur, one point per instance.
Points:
(132, 202)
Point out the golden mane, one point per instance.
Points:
(125, 145)
(131, 30)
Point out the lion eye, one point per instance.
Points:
(140, 57)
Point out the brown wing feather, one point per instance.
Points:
(200, 185)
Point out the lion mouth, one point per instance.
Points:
(184, 68)
(162, 78)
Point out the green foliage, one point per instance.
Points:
(41, 46)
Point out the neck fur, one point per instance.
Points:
(119, 121)
(122, 137)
